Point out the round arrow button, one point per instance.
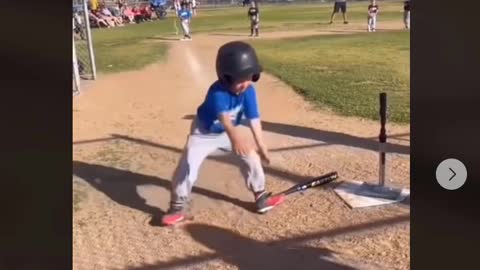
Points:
(451, 174)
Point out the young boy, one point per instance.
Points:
(185, 15)
(406, 14)
(214, 130)
(254, 15)
(372, 16)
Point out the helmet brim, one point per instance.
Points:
(246, 74)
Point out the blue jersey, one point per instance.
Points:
(221, 100)
(184, 14)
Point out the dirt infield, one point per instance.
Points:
(129, 130)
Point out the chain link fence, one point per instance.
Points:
(83, 53)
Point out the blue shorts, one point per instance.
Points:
(340, 6)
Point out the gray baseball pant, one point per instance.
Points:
(185, 27)
(372, 23)
(201, 144)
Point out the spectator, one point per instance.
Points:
(121, 4)
(128, 14)
(137, 13)
(159, 6)
(115, 11)
(106, 12)
(94, 5)
(108, 19)
(96, 20)
(146, 13)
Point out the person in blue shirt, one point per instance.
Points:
(158, 6)
(185, 16)
(230, 101)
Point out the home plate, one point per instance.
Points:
(360, 194)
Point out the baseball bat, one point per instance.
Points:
(322, 180)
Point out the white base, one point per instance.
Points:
(360, 194)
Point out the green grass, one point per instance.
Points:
(345, 72)
(130, 55)
(132, 47)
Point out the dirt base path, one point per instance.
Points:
(129, 130)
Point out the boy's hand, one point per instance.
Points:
(241, 146)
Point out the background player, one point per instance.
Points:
(372, 16)
(340, 5)
(406, 14)
(185, 16)
(254, 15)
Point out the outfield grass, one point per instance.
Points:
(129, 55)
(345, 72)
(131, 47)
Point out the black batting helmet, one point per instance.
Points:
(237, 60)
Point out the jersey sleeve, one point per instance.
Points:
(250, 104)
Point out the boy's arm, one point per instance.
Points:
(239, 144)
(256, 128)
(224, 118)
(253, 115)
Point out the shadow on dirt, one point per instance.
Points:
(248, 254)
(229, 159)
(283, 254)
(327, 137)
(292, 177)
(121, 187)
(270, 170)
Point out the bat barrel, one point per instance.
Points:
(324, 179)
(328, 177)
